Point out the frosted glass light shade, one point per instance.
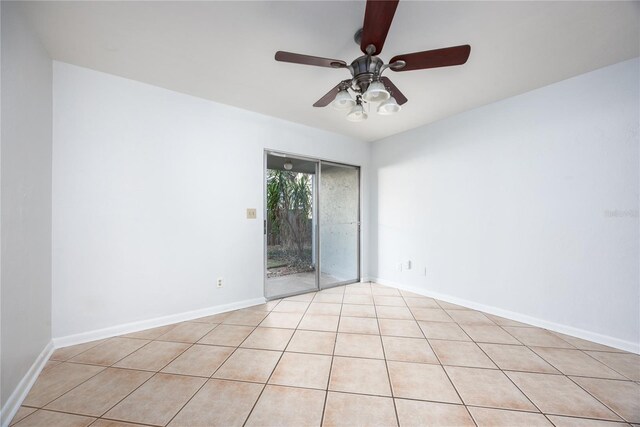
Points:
(376, 92)
(357, 114)
(343, 100)
(388, 107)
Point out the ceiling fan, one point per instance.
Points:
(367, 83)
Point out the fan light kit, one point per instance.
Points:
(367, 85)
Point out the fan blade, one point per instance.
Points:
(297, 58)
(326, 100)
(395, 92)
(377, 20)
(446, 57)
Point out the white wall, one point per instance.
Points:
(26, 202)
(528, 205)
(150, 189)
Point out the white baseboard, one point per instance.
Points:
(128, 328)
(552, 326)
(10, 408)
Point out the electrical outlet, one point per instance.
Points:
(219, 283)
(399, 266)
(251, 213)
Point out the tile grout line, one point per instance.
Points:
(441, 365)
(219, 366)
(154, 373)
(333, 355)
(264, 387)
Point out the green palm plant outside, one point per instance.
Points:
(289, 205)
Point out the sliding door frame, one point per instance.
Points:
(316, 214)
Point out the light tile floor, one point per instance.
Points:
(356, 355)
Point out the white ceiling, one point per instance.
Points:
(224, 51)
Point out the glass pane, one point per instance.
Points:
(339, 216)
(291, 266)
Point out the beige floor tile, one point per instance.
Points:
(421, 302)
(249, 365)
(536, 337)
(319, 322)
(291, 307)
(501, 321)
(308, 297)
(199, 360)
(517, 358)
(361, 290)
(149, 334)
(421, 381)
(331, 297)
(359, 345)
(268, 338)
(621, 396)
(246, 317)
(469, 317)
(460, 353)
(157, 400)
(486, 417)
(347, 410)
(50, 364)
(287, 406)
(97, 395)
(558, 395)
(58, 380)
(302, 370)
(583, 422)
(282, 320)
(389, 300)
(390, 312)
(489, 334)
(153, 356)
(414, 413)
(333, 289)
(109, 352)
(488, 387)
(43, 418)
(22, 412)
(443, 331)
(324, 308)
(575, 362)
(270, 305)
(229, 335)
(188, 332)
(354, 375)
(581, 344)
(626, 364)
(385, 291)
(450, 306)
(219, 403)
(408, 350)
(431, 314)
(400, 328)
(358, 325)
(412, 294)
(217, 318)
(112, 423)
(312, 342)
(358, 299)
(358, 310)
(66, 353)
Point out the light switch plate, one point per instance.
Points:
(251, 213)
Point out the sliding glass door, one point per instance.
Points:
(339, 224)
(312, 225)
